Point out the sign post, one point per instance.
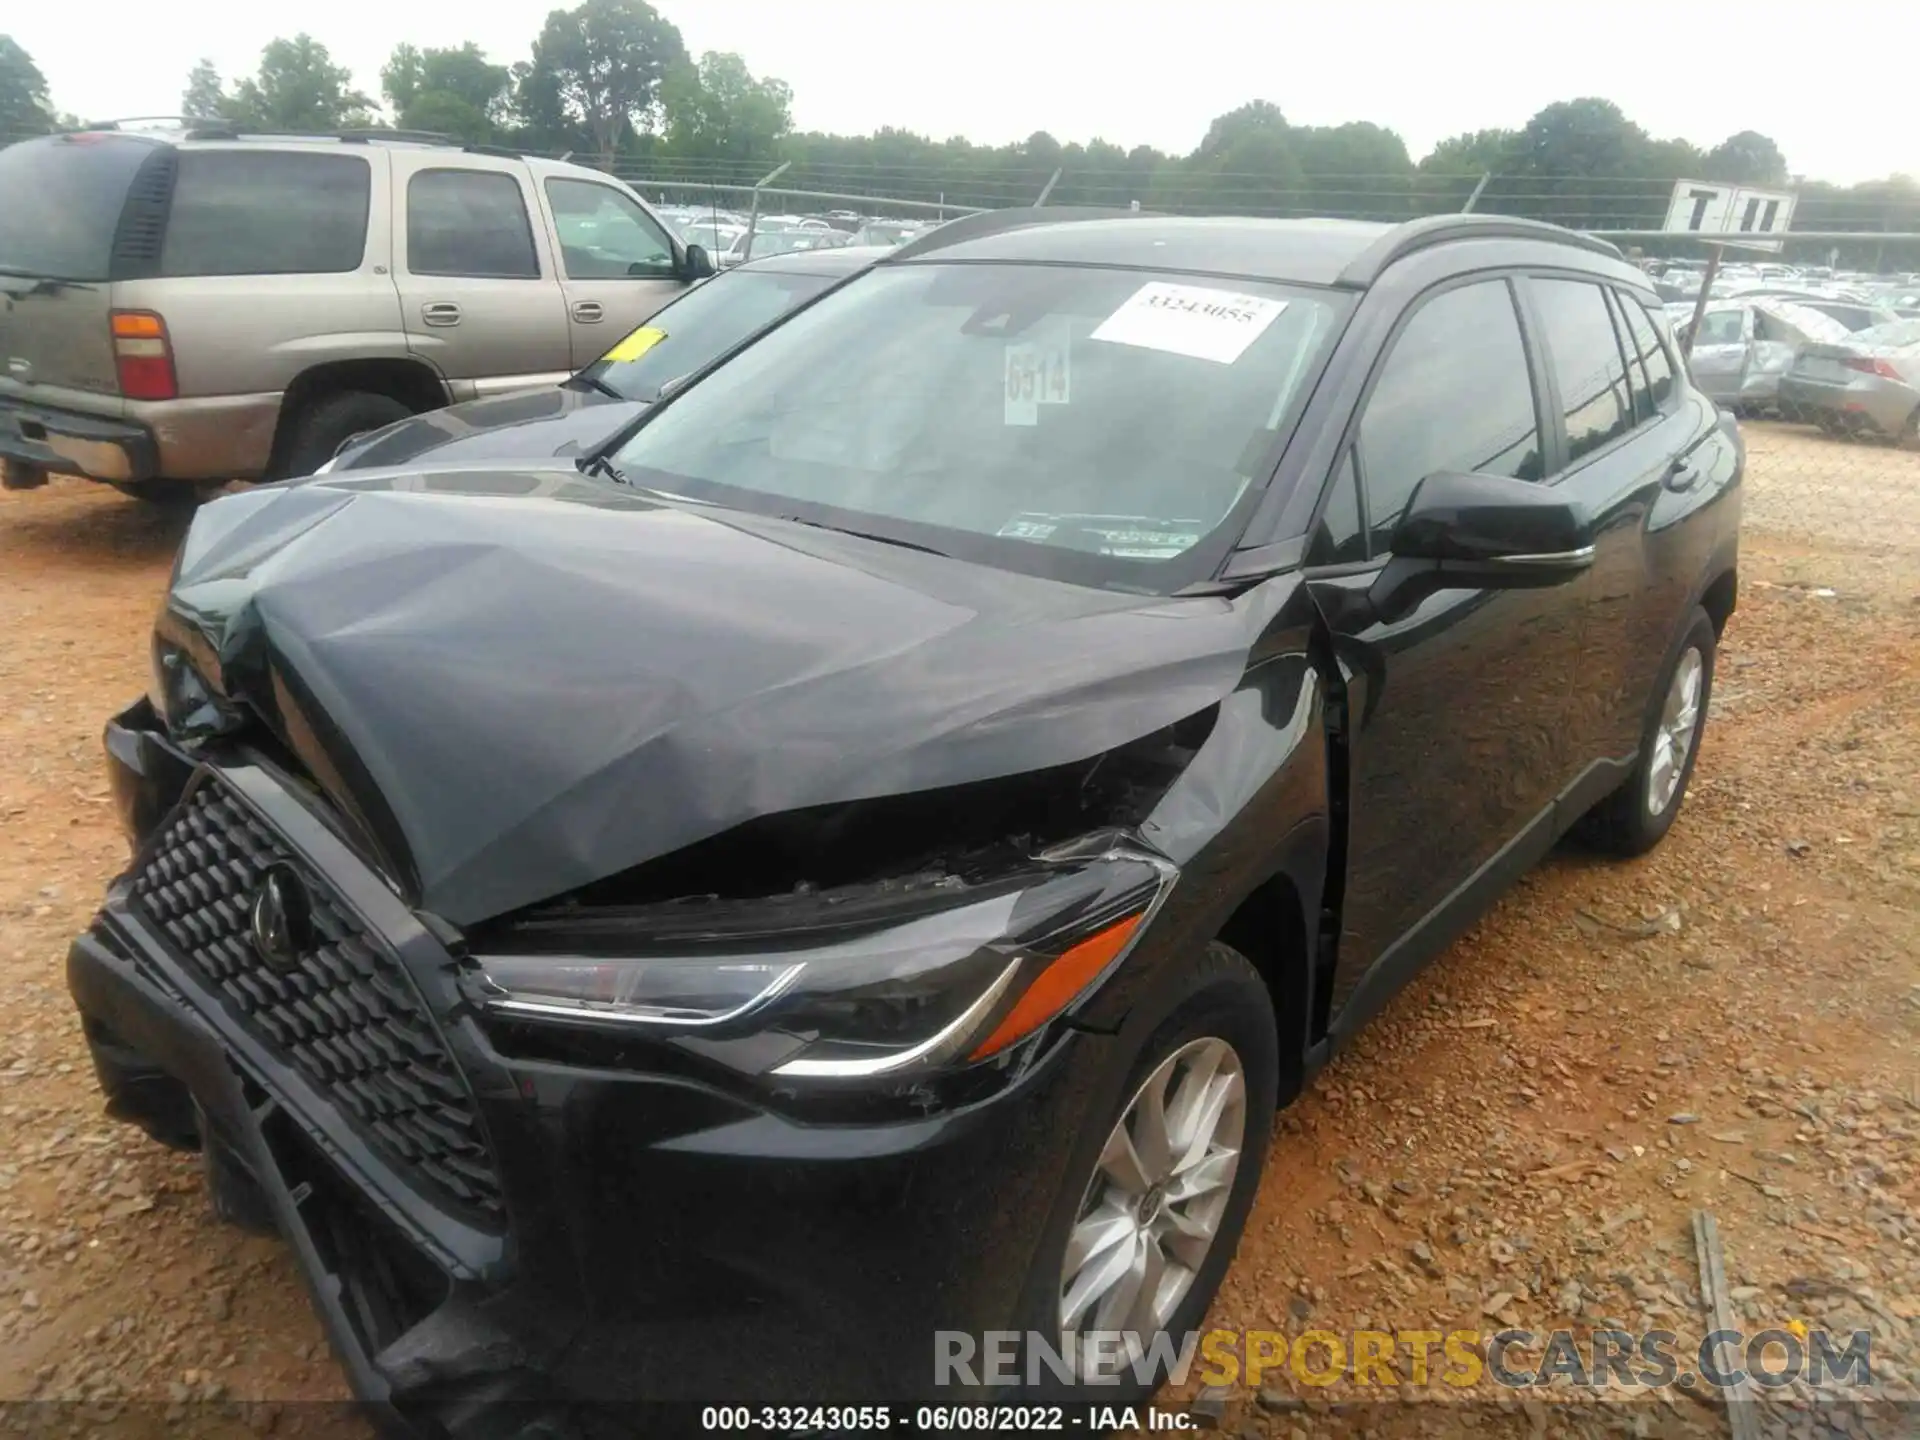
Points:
(1744, 215)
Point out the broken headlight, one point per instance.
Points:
(183, 699)
(960, 984)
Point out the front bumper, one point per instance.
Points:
(659, 1237)
(37, 439)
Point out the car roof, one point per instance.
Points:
(1348, 253)
(1312, 251)
(834, 260)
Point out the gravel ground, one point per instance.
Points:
(1727, 1024)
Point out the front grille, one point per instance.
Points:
(346, 1017)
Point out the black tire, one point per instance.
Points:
(1221, 996)
(318, 430)
(1625, 823)
(164, 492)
(1910, 432)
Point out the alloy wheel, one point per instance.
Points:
(1153, 1206)
(1675, 731)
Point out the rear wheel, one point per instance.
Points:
(324, 425)
(1637, 816)
(1910, 434)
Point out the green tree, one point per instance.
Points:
(456, 92)
(205, 97)
(24, 107)
(601, 64)
(1579, 139)
(717, 110)
(1748, 158)
(1244, 162)
(299, 89)
(1474, 152)
(1358, 170)
(403, 77)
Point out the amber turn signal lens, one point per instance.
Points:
(1056, 986)
(137, 325)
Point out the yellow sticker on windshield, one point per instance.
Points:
(636, 344)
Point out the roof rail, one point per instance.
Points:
(378, 132)
(994, 222)
(1430, 230)
(180, 120)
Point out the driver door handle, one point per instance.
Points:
(440, 313)
(588, 312)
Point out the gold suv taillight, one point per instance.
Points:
(143, 356)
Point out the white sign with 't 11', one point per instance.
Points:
(1741, 215)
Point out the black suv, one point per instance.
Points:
(863, 856)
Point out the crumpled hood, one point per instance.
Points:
(529, 425)
(523, 681)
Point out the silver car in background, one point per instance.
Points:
(1866, 384)
(1746, 345)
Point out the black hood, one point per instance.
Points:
(521, 681)
(563, 420)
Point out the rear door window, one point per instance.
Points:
(1649, 353)
(1722, 327)
(267, 212)
(1587, 363)
(1455, 395)
(60, 203)
(469, 223)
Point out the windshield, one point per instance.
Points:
(1094, 424)
(60, 202)
(708, 320)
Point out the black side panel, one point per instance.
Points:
(143, 220)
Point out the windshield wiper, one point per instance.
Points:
(584, 381)
(867, 535)
(603, 467)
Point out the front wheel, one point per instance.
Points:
(1159, 1189)
(1637, 816)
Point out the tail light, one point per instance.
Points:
(143, 356)
(1868, 365)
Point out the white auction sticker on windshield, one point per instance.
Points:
(1192, 320)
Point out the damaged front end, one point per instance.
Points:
(558, 954)
(854, 955)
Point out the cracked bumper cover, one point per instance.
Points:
(660, 1239)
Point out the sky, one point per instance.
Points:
(998, 70)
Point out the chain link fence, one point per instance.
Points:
(1831, 476)
(1804, 483)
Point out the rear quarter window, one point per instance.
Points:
(60, 203)
(266, 213)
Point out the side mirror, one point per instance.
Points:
(699, 264)
(1482, 532)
